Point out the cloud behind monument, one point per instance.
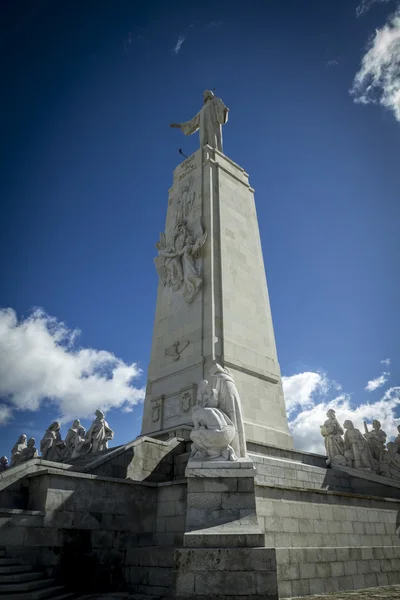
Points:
(42, 360)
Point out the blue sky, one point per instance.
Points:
(87, 157)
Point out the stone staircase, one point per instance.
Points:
(18, 581)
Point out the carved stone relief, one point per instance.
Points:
(176, 349)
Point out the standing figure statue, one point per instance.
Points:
(209, 120)
(376, 439)
(30, 451)
(19, 445)
(213, 430)
(357, 449)
(334, 443)
(3, 463)
(397, 439)
(51, 445)
(79, 443)
(229, 403)
(99, 434)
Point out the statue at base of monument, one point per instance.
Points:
(99, 434)
(74, 441)
(209, 121)
(3, 463)
(376, 439)
(30, 451)
(397, 439)
(334, 443)
(357, 449)
(17, 449)
(389, 465)
(51, 445)
(229, 403)
(213, 430)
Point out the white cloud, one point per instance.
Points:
(179, 43)
(40, 359)
(365, 5)
(386, 361)
(376, 383)
(305, 392)
(5, 414)
(332, 63)
(378, 80)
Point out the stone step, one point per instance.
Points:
(50, 593)
(5, 562)
(66, 596)
(19, 577)
(5, 569)
(25, 586)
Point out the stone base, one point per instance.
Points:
(221, 505)
(234, 573)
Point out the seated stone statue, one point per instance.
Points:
(79, 443)
(376, 439)
(390, 462)
(99, 434)
(213, 430)
(74, 441)
(3, 463)
(30, 451)
(357, 449)
(334, 443)
(17, 449)
(397, 439)
(51, 445)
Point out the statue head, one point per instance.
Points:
(376, 425)
(99, 414)
(4, 461)
(31, 442)
(207, 95)
(348, 425)
(55, 426)
(76, 424)
(331, 414)
(22, 439)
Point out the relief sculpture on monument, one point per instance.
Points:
(176, 261)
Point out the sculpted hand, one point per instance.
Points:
(175, 125)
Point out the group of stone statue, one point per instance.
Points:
(218, 432)
(77, 443)
(347, 446)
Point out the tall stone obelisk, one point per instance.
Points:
(212, 302)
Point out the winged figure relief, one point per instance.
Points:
(176, 262)
(176, 349)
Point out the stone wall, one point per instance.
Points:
(81, 528)
(304, 571)
(292, 518)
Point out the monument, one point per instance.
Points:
(211, 501)
(212, 302)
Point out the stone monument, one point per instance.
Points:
(212, 303)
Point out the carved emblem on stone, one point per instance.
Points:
(176, 349)
(186, 399)
(155, 409)
(176, 261)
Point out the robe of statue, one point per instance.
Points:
(17, 449)
(212, 115)
(50, 445)
(99, 434)
(229, 403)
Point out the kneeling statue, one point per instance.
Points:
(213, 430)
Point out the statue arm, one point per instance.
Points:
(188, 127)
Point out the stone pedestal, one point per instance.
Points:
(223, 554)
(214, 307)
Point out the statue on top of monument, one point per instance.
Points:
(51, 445)
(208, 120)
(19, 445)
(334, 443)
(376, 439)
(99, 434)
